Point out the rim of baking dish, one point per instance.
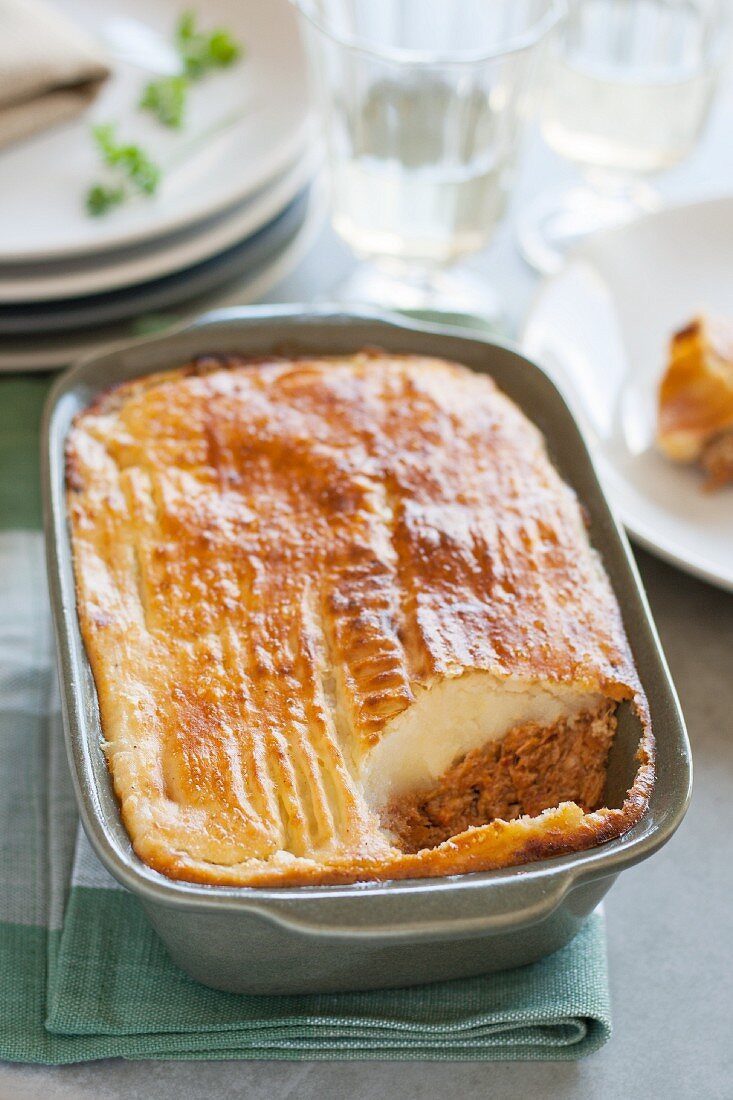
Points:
(530, 890)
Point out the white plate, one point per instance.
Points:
(76, 278)
(159, 295)
(265, 94)
(52, 352)
(601, 329)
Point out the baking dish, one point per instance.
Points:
(378, 934)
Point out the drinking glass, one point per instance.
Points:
(628, 86)
(422, 104)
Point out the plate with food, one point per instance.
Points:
(194, 117)
(637, 331)
(356, 660)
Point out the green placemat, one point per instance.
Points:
(82, 974)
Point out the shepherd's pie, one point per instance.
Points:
(345, 624)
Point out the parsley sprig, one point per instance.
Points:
(131, 166)
(166, 98)
(199, 53)
(101, 198)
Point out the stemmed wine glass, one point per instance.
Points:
(422, 104)
(628, 85)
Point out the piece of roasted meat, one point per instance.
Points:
(696, 400)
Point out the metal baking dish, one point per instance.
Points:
(307, 939)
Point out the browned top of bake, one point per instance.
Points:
(272, 557)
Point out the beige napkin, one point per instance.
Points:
(50, 69)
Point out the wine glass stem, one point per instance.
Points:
(622, 187)
(409, 270)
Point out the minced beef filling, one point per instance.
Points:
(531, 769)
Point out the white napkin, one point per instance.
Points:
(50, 70)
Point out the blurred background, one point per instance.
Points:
(155, 161)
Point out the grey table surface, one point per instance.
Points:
(669, 920)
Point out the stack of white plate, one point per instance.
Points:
(236, 208)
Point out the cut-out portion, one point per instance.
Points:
(531, 769)
(457, 716)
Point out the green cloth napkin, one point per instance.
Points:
(83, 975)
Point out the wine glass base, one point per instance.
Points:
(454, 296)
(551, 226)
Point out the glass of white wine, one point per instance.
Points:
(422, 105)
(628, 87)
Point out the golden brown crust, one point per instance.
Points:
(273, 557)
